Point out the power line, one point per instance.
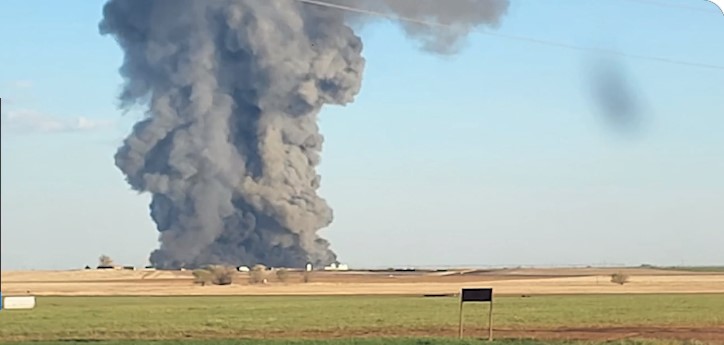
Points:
(373, 13)
(516, 37)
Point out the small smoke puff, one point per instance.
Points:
(439, 26)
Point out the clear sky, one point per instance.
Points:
(496, 156)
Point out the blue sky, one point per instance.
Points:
(496, 156)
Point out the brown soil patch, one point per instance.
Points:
(710, 335)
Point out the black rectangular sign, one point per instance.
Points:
(477, 295)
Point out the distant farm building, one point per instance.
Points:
(336, 267)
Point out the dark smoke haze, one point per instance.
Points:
(233, 88)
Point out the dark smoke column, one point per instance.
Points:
(230, 143)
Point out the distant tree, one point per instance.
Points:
(222, 275)
(619, 278)
(202, 276)
(257, 274)
(282, 275)
(105, 260)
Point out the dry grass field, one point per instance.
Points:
(504, 281)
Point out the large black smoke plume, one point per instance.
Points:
(230, 143)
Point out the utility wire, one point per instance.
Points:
(515, 37)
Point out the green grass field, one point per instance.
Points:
(173, 318)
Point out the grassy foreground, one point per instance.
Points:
(119, 318)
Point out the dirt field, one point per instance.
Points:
(708, 335)
(505, 282)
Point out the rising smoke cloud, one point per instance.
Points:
(233, 88)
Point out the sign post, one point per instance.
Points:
(477, 295)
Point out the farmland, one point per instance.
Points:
(504, 281)
(546, 317)
(533, 306)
